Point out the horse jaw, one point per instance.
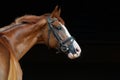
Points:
(77, 51)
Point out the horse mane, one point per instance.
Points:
(6, 27)
(17, 21)
(27, 19)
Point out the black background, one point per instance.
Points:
(94, 24)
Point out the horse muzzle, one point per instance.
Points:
(74, 50)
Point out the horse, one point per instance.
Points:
(26, 31)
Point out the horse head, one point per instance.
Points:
(57, 36)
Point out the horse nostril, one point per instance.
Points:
(77, 49)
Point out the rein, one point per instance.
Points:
(62, 47)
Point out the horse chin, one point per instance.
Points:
(73, 56)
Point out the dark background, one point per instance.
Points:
(94, 24)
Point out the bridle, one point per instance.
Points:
(62, 47)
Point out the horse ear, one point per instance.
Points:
(56, 12)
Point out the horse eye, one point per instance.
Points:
(59, 27)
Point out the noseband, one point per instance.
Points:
(62, 47)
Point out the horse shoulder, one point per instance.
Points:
(15, 72)
(9, 66)
(4, 62)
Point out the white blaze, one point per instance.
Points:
(75, 45)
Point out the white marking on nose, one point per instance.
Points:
(77, 51)
(66, 31)
(75, 45)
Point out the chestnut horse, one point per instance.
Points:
(17, 38)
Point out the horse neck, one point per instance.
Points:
(22, 38)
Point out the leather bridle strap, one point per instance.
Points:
(62, 44)
(51, 29)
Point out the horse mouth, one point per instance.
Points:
(74, 55)
(74, 51)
